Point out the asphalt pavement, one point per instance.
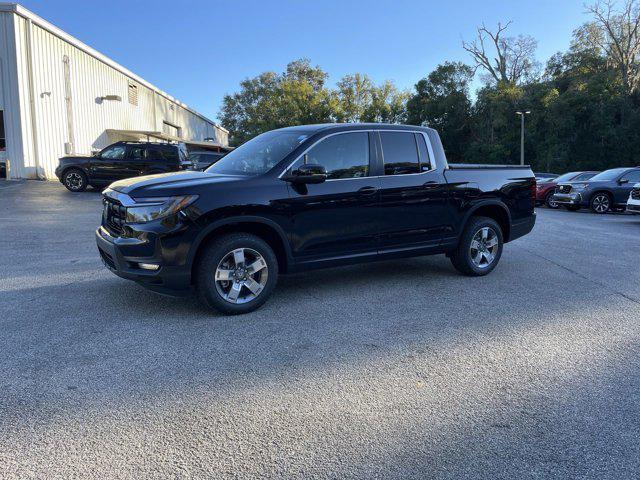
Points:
(399, 369)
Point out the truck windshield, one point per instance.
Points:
(260, 154)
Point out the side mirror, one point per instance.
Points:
(307, 173)
(622, 181)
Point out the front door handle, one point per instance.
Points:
(367, 190)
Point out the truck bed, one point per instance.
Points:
(478, 166)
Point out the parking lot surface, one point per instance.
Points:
(399, 369)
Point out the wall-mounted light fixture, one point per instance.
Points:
(115, 98)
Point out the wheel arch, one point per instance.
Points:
(609, 193)
(495, 210)
(266, 229)
(74, 167)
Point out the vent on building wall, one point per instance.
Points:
(133, 94)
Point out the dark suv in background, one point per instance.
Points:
(121, 160)
(606, 191)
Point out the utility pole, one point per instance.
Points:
(522, 114)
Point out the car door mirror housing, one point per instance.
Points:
(307, 173)
(622, 181)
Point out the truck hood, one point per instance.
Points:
(167, 184)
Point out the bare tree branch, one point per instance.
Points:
(513, 58)
(620, 33)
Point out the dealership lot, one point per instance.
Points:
(395, 369)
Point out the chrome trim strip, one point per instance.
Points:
(432, 158)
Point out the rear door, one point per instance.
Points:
(339, 217)
(136, 160)
(413, 193)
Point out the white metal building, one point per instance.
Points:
(59, 96)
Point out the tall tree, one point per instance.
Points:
(504, 59)
(354, 97)
(270, 100)
(617, 33)
(442, 101)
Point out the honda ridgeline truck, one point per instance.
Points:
(309, 197)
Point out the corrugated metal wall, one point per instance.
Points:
(90, 80)
(11, 99)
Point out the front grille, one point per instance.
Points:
(635, 193)
(564, 188)
(108, 260)
(113, 216)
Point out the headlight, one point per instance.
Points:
(580, 186)
(147, 209)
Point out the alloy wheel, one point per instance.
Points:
(73, 180)
(484, 247)
(601, 203)
(241, 275)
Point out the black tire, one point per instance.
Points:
(75, 180)
(572, 208)
(548, 201)
(600, 202)
(461, 257)
(210, 292)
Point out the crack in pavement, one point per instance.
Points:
(584, 277)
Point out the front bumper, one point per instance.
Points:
(574, 199)
(633, 206)
(123, 255)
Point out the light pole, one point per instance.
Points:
(522, 114)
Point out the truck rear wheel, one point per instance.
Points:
(480, 247)
(236, 273)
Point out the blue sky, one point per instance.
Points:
(200, 50)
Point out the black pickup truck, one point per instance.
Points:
(309, 197)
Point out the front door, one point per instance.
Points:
(625, 185)
(339, 217)
(110, 164)
(413, 194)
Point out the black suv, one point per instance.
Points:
(310, 197)
(609, 190)
(121, 160)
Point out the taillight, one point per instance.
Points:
(534, 186)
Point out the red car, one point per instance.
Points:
(546, 189)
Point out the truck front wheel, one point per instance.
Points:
(75, 180)
(236, 273)
(480, 247)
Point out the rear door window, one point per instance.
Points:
(400, 153)
(136, 153)
(169, 154)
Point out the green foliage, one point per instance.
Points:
(442, 101)
(299, 97)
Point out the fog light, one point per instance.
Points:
(148, 266)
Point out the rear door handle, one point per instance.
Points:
(367, 190)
